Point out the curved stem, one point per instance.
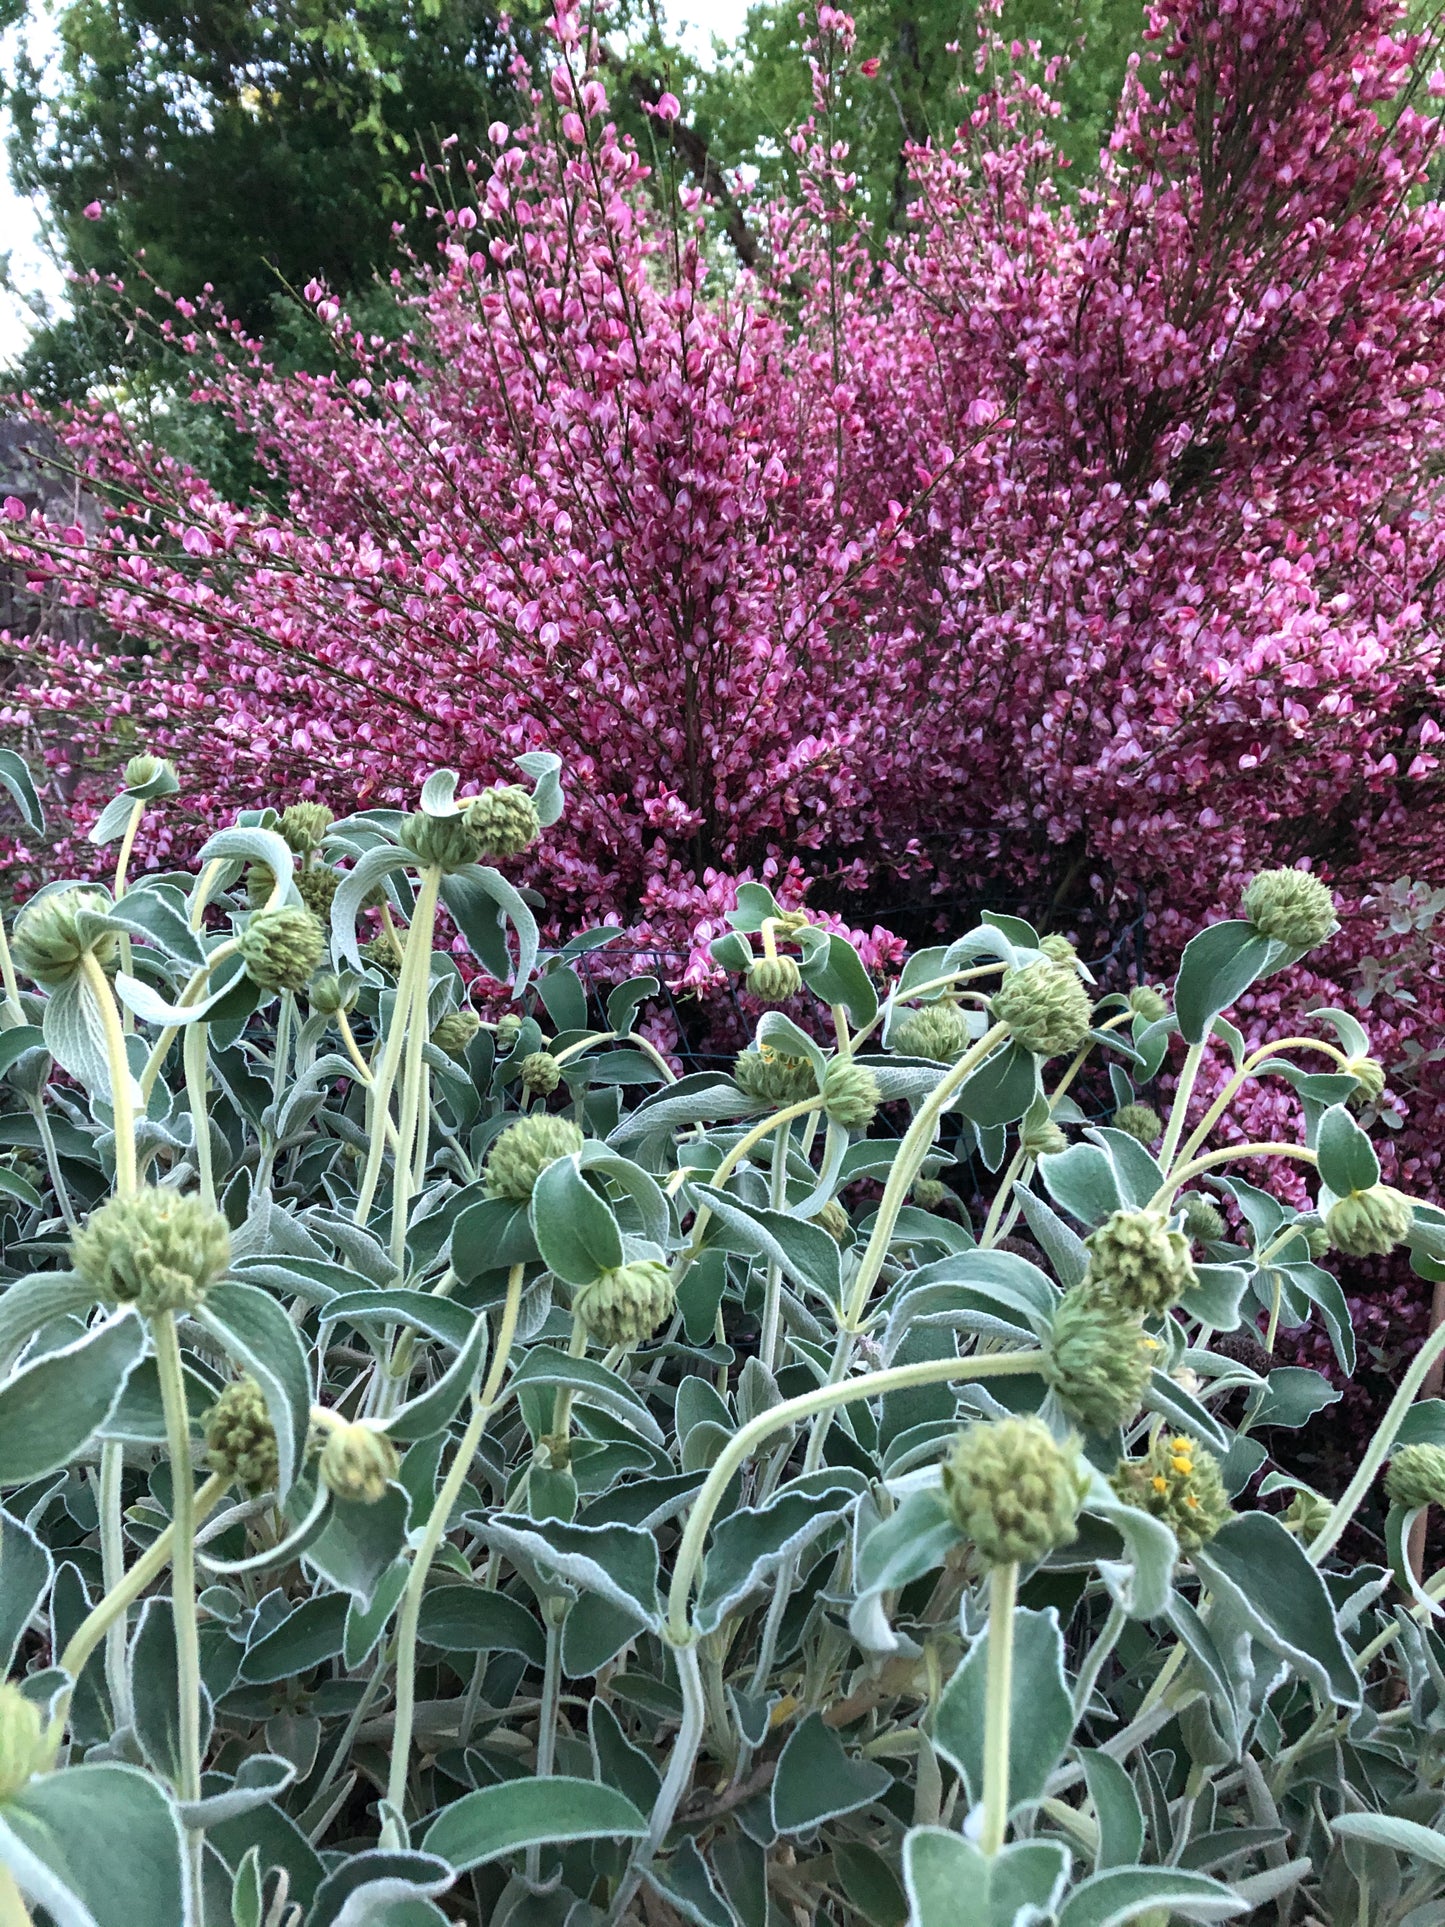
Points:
(112, 1572)
(1250, 1068)
(1098, 1658)
(1229, 1154)
(52, 1162)
(547, 1722)
(363, 1070)
(1003, 1587)
(127, 845)
(122, 1104)
(12, 1011)
(679, 1778)
(741, 1446)
(193, 1058)
(418, 943)
(1178, 1110)
(773, 1284)
(200, 977)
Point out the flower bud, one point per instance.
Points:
(1059, 951)
(281, 948)
(1318, 1240)
(1097, 1359)
(929, 1193)
(775, 979)
(22, 1739)
(835, 1221)
(1179, 1482)
(1139, 1263)
(439, 842)
(524, 1150)
(773, 1080)
(850, 1094)
(260, 882)
(303, 826)
(240, 1439)
(1043, 1138)
(938, 1032)
(1047, 1009)
(509, 1028)
(356, 1463)
(1203, 1222)
(157, 1250)
(1369, 1223)
(53, 933)
(455, 1031)
(1138, 1121)
(141, 770)
(1369, 1079)
(317, 890)
(1013, 1489)
(382, 952)
(1146, 1002)
(1307, 1515)
(541, 1073)
(330, 994)
(1415, 1477)
(624, 1306)
(503, 821)
(1291, 906)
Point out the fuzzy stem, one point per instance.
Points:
(112, 1572)
(12, 1011)
(773, 1286)
(1183, 1091)
(193, 1058)
(1249, 1068)
(1003, 1586)
(547, 1724)
(52, 1163)
(385, 1076)
(13, 1911)
(127, 845)
(121, 1101)
(1098, 1657)
(679, 1778)
(183, 1570)
(1229, 1154)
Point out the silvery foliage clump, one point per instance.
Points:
(646, 1531)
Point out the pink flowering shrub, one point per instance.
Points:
(1085, 543)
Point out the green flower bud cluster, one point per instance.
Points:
(541, 1073)
(455, 1031)
(1179, 1482)
(773, 980)
(1046, 1007)
(626, 1305)
(1147, 1002)
(835, 1221)
(1369, 1079)
(1139, 1263)
(1291, 906)
(281, 948)
(1138, 1121)
(1059, 952)
(260, 882)
(240, 1439)
(773, 1080)
(52, 934)
(357, 1462)
(503, 821)
(158, 1250)
(509, 1029)
(1097, 1358)
(938, 1032)
(524, 1150)
(1203, 1221)
(141, 770)
(1415, 1477)
(1042, 1138)
(929, 1193)
(317, 890)
(1369, 1223)
(303, 826)
(381, 951)
(330, 994)
(23, 1751)
(1014, 1490)
(445, 843)
(1307, 1515)
(851, 1095)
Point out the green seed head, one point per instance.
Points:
(445, 843)
(1059, 951)
(54, 933)
(1179, 1482)
(240, 1439)
(141, 770)
(1139, 1263)
(317, 890)
(329, 994)
(1369, 1079)
(1370, 1223)
(304, 826)
(774, 980)
(938, 1032)
(541, 1073)
(624, 1306)
(1290, 906)
(1047, 1008)
(524, 1150)
(1307, 1515)
(509, 1028)
(455, 1031)
(929, 1193)
(1146, 1002)
(1014, 1490)
(356, 1463)
(1098, 1359)
(1138, 1121)
(22, 1740)
(850, 1094)
(281, 948)
(835, 1221)
(774, 1081)
(1043, 1138)
(158, 1250)
(1415, 1477)
(1203, 1222)
(504, 822)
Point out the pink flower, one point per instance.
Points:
(667, 107)
(92, 210)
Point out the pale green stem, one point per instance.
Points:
(743, 1443)
(1229, 1154)
(1183, 1091)
(562, 1397)
(1241, 1077)
(773, 1284)
(679, 1778)
(1003, 1587)
(1272, 1329)
(13, 1010)
(127, 845)
(748, 1142)
(13, 1911)
(183, 1563)
(363, 1070)
(408, 1129)
(190, 995)
(193, 1058)
(112, 1574)
(1001, 1198)
(285, 1019)
(52, 1162)
(418, 942)
(586, 1044)
(1379, 1447)
(917, 1141)
(1098, 1657)
(121, 1101)
(547, 1724)
(436, 1525)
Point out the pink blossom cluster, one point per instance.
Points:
(1080, 542)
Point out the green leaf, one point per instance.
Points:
(255, 1331)
(50, 1408)
(589, 1384)
(355, 887)
(617, 1562)
(470, 1619)
(949, 1882)
(1184, 1413)
(1347, 1157)
(433, 1410)
(1264, 1572)
(32, 1302)
(16, 778)
(577, 1233)
(96, 1846)
(916, 1538)
(1083, 1181)
(14, 1044)
(499, 1820)
(1400, 1836)
(305, 1639)
(155, 1691)
(1218, 966)
(1117, 1810)
(1002, 1088)
(481, 902)
(544, 766)
(359, 1543)
(624, 1001)
(833, 970)
(26, 1570)
(805, 1252)
(364, 1888)
(74, 1034)
(1423, 1424)
(750, 1545)
(1293, 1396)
(365, 1625)
(1124, 1893)
(1042, 1717)
(1144, 1585)
(817, 1779)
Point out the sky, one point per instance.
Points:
(33, 275)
